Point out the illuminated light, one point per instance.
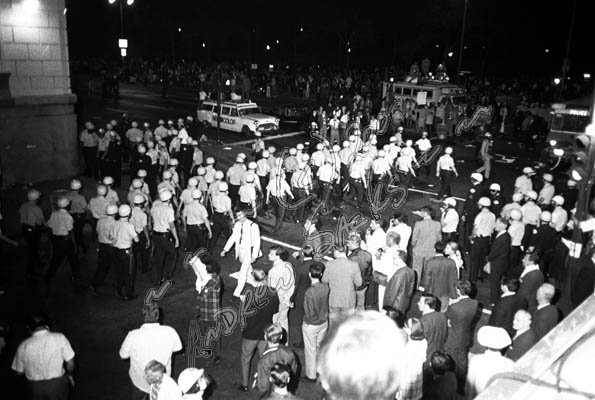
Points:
(130, 2)
(558, 152)
(227, 83)
(65, 10)
(277, 41)
(450, 54)
(301, 29)
(576, 176)
(465, 47)
(392, 79)
(586, 76)
(547, 50)
(349, 50)
(271, 66)
(557, 81)
(204, 45)
(111, 1)
(179, 29)
(123, 52)
(579, 113)
(268, 47)
(30, 6)
(553, 143)
(123, 43)
(437, 45)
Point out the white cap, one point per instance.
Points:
(532, 195)
(192, 182)
(188, 378)
(134, 124)
(352, 138)
(495, 186)
(450, 201)
(571, 182)
(101, 190)
(75, 184)
(161, 122)
(167, 174)
(174, 162)
(546, 216)
(292, 151)
(142, 173)
(210, 160)
(400, 129)
(146, 125)
(223, 187)
(484, 201)
(305, 157)
(346, 143)
(196, 194)
(392, 139)
(249, 178)
(528, 171)
(336, 148)
(516, 214)
(272, 149)
(111, 209)
(251, 165)
(201, 171)
(137, 183)
(493, 337)
(242, 155)
(124, 210)
(165, 195)
(381, 153)
(477, 176)
(170, 122)
(194, 143)
(409, 143)
(142, 149)
(559, 200)
(219, 175)
(33, 194)
(151, 144)
(517, 197)
(266, 154)
(108, 180)
(448, 150)
(548, 177)
(300, 146)
(138, 199)
(239, 159)
(62, 202)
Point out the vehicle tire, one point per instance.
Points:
(206, 124)
(246, 131)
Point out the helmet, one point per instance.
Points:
(373, 140)
(75, 184)
(223, 187)
(33, 194)
(409, 143)
(108, 180)
(448, 150)
(239, 159)
(495, 186)
(194, 143)
(134, 124)
(528, 171)
(272, 149)
(546, 216)
(400, 129)
(476, 176)
(62, 202)
(210, 161)
(346, 143)
(392, 139)
(266, 154)
(517, 197)
(89, 125)
(167, 174)
(174, 162)
(251, 165)
(352, 138)
(101, 190)
(161, 122)
(305, 157)
(146, 125)
(532, 195)
(192, 182)
(242, 155)
(142, 173)
(488, 134)
(292, 151)
(201, 171)
(124, 210)
(548, 177)
(249, 178)
(336, 148)
(559, 200)
(484, 201)
(300, 146)
(450, 201)
(571, 183)
(196, 194)
(138, 199)
(219, 175)
(257, 134)
(112, 209)
(142, 149)
(516, 214)
(189, 118)
(170, 122)
(165, 195)
(381, 153)
(137, 183)
(188, 378)
(319, 146)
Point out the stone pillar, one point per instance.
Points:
(38, 133)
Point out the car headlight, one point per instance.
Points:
(255, 123)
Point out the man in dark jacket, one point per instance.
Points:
(547, 315)
(440, 276)
(401, 286)
(302, 283)
(461, 315)
(363, 259)
(531, 279)
(524, 338)
(470, 209)
(275, 353)
(498, 258)
(507, 305)
(434, 323)
(544, 242)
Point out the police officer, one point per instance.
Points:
(515, 204)
(483, 228)
(152, 172)
(559, 214)
(213, 190)
(445, 170)
(263, 171)
(523, 184)
(61, 225)
(166, 184)
(327, 177)
(222, 214)
(97, 206)
(140, 161)
(123, 236)
(78, 211)
(90, 141)
(485, 152)
(105, 257)
(258, 146)
(197, 223)
(112, 159)
(547, 192)
(317, 159)
(111, 195)
(470, 209)
(140, 220)
(186, 195)
(210, 168)
(160, 132)
(449, 220)
(202, 184)
(531, 216)
(277, 192)
(32, 221)
(357, 181)
(301, 183)
(234, 176)
(247, 195)
(496, 198)
(164, 230)
(380, 167)
(291, 163)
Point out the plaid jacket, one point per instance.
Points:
(209, 300)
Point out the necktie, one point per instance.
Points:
(154, 392)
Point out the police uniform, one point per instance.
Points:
(357, 177)
(123, 235)
(140, 221)
(483, 228)
(61, 225)
(277, 191)
(302, 184)
(78, 210)
(164, 257)
(403, 168)
(105, 257)
(112, 196)
(90, 141)
(97, 206)
(497, 203)
(470, 210)
(327, 175)
(263, 170)
(291, 166)
(247, 198)
(446, 168)
(234, 176)
(197, 218)
(221, 204)
(32, 221)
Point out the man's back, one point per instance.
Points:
(461, 316)
(435, 330)
(271, 356)
(343, 276)
(504, 310)
(259, 306)
(528, 289)
(399, 289)
(545, 319)
(440, 277)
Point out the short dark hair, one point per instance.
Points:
(441, 362)
(503, 221)
(384, 224)
(440, 246)
(428, 210)
(281, 252)
(400, 217)
(395, 315)
(213, 266)
(402, 254)
(340, 249)
(273, 333)
(38, 320)
(151, 313)
(511, 282)
(317, 270)
(308, 250)
(533, 256)
(280, 375)
(431, 301)
(465, 287)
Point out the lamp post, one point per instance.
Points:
(121, 6)
(461, 45)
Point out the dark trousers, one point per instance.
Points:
(78, 225)
(296, 317)
(91, 162)
(450, 237)
(234, 194)
(371, 300)
(215, 345)
(164, 258)
(49, 389)
(356, 189)
(279, 211)
(496, 273)
(324, 194)
(264, 182)
(125, 271)
(404, 178)
(220, 226)
(197, 237)
(62, 247)
(445, 180)
(514, 258)
(104, 262)
(479, 251)
(137, 394)
(141, 254)
(299, 212)
(460, 357)
(32, 236)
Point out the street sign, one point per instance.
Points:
(422, 98)
(123, 52)
(123, 43)
(254, 66)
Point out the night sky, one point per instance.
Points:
(505, 37)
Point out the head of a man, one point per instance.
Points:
(464, 288)
(273, 334)
(509, 284)
(211, 265)
(530, 258)
(428, 303)
(259, 276)
(277, 253)
(441, 362)
(522, 321)
(440, 247)
(151, 313)
(340, 252)
(392, 239)
(154, 372)
(316, 270)
(546, 293)
(501, 224)
(354, 241)
(280, 375)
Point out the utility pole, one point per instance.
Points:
(219, 104)
(462, 44)
(566, 61)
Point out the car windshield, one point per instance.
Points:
(248, 110)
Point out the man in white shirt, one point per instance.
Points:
(445, 169)
(449, 220)
(152, 341)
(162, 386)
(523, 183)
(281, 278)
(483, 228)
(399, 225)
(559, 214)
(424, 146)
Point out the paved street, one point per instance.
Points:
(96, 325)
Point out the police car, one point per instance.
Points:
(237, 116)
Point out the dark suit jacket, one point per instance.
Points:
(440, 277)
(545, 239)
(461, 316)
(504, 310)
(302, 283)
(499, 254)
(529, 285)
(400, 289)
(435, 331)
(522, 344)
(545, 319)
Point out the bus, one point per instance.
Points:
(569, 119)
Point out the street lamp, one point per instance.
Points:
(460, 63)
(129, 3)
